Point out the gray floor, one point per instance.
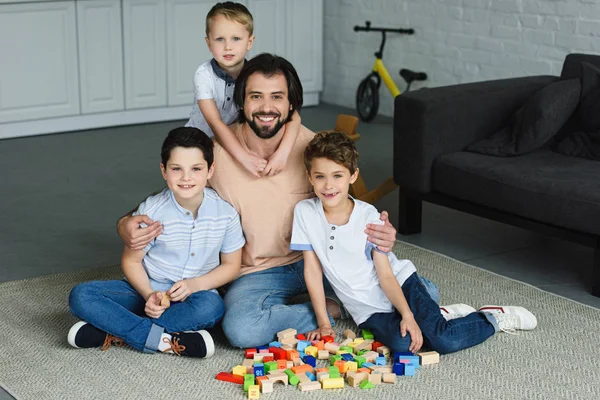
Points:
(63, 194)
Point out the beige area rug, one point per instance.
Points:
(558, 360)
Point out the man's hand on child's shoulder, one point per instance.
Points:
(135, 237)
(383, 236)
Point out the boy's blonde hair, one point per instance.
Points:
(334, 146)
(232, 11)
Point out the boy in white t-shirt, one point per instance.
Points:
(381, 293)
(229, 28)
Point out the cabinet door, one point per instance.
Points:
(38, 71)
(100, 55)
(145, 53)
(269, 26)
(186, 47)
(304, 41)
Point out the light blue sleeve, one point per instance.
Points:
(142, 210)
(234, 236)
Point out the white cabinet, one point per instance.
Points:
(100, 55)
(38, 71)
(144, 34)
(269, 26)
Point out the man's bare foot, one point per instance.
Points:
(333, 308)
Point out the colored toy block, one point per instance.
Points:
(277, 372)
(380, 361)
(327, 339)
(371, 356)
(351, 366)
(429, 357)
(283, 378)
(311, 351)
(334, 358)
(259, 370)
(367, 334)
(286, 333)
(345, 342)
(303, 378)
(281, 364)
(360, 360)
(347, 357)
(229, 377)
(292, 378)
(267, 359)
(355, 378)
(250, 353)
(311, 376)
(409, 369)
(375, 345)
(341, 366)
(302, 368)
(278, 353)
(322, 354)
(349, 334)
(260, 357)
(248, 381)
(319, 344)
(254, 392)
(322, 375)
(333, 383)
(291, 341)
(366, 384)
(398, 368)
(305, 387)
(360, 352)
(261, 349)
(275, 344)
(365, 370)
(375, 378)
(310, 360)
(346, 349)
(239, 370)
(410, 360)
(368, 365)
(384, 351)
(389, 377)
(271, 365)
(266, 386)
(301, 354)
(332, 347)
(334, 372)
(286, 347)
(302, 344)
(300, 336)
(289, 364)
(291, 354)
(297, 361)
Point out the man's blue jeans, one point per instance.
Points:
(257, 305)
(117, 308)
(438, 334)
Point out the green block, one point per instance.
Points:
(334, 372)
(248, 381)
(334, 358)
(360, 360)
(292, 378)
(361, 352)
(367, 334)
(348, 349)
(271, 366)
(366, 384)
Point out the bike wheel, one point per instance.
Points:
(367, 99)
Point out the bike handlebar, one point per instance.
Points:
(369, 28)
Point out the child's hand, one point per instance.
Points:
(254, 164)
(276, 163)
(180, 291)
(320, 332)
(153, 308)
(410, 325)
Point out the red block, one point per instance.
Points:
(229, 377)
(375, 345)
(327, 339)
(250, 353)
(300, 336)
(278, 354)
(267, 359)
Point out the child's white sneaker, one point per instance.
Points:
(511, 318)
(456, 311)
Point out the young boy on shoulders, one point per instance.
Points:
(199, 250)
(229, 36)
(381, 293)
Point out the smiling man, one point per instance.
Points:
(259, 303)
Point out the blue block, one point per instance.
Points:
(275, 344)
(380, 361)
(409, 369)
(259, 370)
(368, 364)
(398, 368)
(311, 375)
(302, 344)
(301, 354)
(259, 348)
(347, 357)
(310, 360)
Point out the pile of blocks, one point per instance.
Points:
(292, 360)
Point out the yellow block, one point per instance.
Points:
(239, 370)
(352, 366)
(253, 392)
(333, 383)
(311, 350)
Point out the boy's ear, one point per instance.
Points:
(250, 43)
(210, 171)
(207, 42)
(354, 176)
(163, 171)
(309, 178)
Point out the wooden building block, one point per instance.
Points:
(311, 350)
(389, 377)
(384, 351)
(429, 357)
(283, 378)
(298, 369)
(375, 378)
(254, 392)
(346, 342)
(349, 334)
(355, 378)
(239, 370)
(229, 377)
(286, 333)
(332, 347)
(266, 386)
(322, 375)
(291, 341)
(165, 301)
(333, 383)
(323, 354)
(310, 385)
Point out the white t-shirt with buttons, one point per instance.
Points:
(345, 256)
(211, 82)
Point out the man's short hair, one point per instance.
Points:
(268, 65)
(232, 11)
(334, 146)
(187, 137)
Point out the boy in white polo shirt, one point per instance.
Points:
(229, 28)
(381, 293)
(198, 251)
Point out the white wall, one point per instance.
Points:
(456, 41)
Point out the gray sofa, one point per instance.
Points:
(543, 190)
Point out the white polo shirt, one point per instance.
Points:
(211, 82)
(345, 256)
(188, 247)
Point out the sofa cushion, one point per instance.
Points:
(588, 112)
(543, 186)
(535, 123)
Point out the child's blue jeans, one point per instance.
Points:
(438, 334)
(117, 308)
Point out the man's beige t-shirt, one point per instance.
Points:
(266, 205)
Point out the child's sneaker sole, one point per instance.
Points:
(527, 321)
(209, 342)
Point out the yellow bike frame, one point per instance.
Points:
(380, 69)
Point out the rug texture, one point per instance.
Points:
(558, 360)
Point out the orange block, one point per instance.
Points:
(321, 370)
(367, 370)
(292, 354)
(301, 369)
(281, 364)
(320, 345)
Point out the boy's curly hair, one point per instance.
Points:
(232, 11)
(334, 146)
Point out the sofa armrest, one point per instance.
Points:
(442, 120)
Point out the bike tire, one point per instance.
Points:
(367, 99)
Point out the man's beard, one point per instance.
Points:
(264, 132)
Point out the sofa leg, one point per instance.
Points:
(596, 271)
(410, 210)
